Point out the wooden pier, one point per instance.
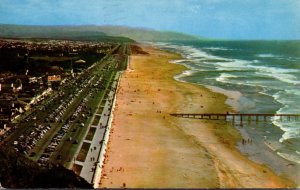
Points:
(237, 116)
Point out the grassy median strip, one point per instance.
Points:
(100, 110)
(83, 151)
(90, 134)
(77, 168)
(96, 120)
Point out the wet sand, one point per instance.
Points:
(150, 149)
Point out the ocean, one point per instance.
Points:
(257, 77)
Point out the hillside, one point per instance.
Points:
(99, 33)
(141, 34)
(58, 32)
(17, 171)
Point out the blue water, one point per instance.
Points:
(262, 76)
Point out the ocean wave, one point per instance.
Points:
(225, 78)
(196, 55)
(224, 64)
(253, 76)
(185, 74)
(279, 57)
(218, 48)
(283, 75)
(274, 70)
(189, 52)
(290, 128)
(240, 83)
(233, 95)
(290, 133)
(288, 98)
(189, 72)
(177, 61)
(159, 43)
(293, 92)
(233, 64)
(266, 55)
(270, 55)
(290, 157)
(192, 53)
(287, 78)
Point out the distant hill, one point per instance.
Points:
(142, 34)
(58, 32)
(91, 32)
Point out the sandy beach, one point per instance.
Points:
(150, 149)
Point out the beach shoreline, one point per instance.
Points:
(149, 148)
(261, 149)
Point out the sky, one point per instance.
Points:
(224, 19)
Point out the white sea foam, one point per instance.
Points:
(289, 99)
(266, 55)
(184, 74)
(188, 72)
(280, 97)
(163, 44)
(293, 91)
(265, 90)
(233, 64)
(177, 61)
(284, 75)
(290, 157)
(225, 78)
(218, 48)
(274, 69)
(189, 52)
(279, 83)
(291, 128)
(290, 133)
(280, 57)
(233, 96)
